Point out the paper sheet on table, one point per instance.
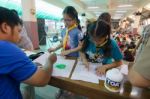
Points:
(42, 59)
(124, 69)
(65, 72)
(81, 73)
(28, 53)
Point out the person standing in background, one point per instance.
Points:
(71, 34)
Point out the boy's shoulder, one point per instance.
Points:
(7, 46)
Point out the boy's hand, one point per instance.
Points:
(52, 58)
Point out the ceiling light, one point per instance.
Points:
(115, 17)
(147, 6)
(93, 7)
(98, 12)
(125, 5)
(118, 14)
(131, 16)
(121, 11)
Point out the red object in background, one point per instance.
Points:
(119, 44)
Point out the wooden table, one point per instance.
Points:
(98, 91)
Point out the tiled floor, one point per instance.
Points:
(47, 92)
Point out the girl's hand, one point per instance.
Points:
(51, 50)
(101, 70)
(65, 52)
(80, 44)
(86, 63)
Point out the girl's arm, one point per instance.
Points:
(56, 48)
(59, 46)
(66, 52)
(84, 60)
(102, 69)
(114, 64)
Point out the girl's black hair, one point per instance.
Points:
(71, 11)
(103, 29)
(99, 29)
(118, 39)
(106, 17)
(90, 29)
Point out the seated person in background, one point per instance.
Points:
(101, 48)
(124, 41)
(118, 41)
(15, 66)
(122, 48)
(24, 41)
(128, 56)
(128, 53)
(139, 74)
(132, 45)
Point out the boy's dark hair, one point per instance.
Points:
(14, 11)
(71, 11)
(9, 17)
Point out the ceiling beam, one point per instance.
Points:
(81, 8)
(58, 3)
(140, 5)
